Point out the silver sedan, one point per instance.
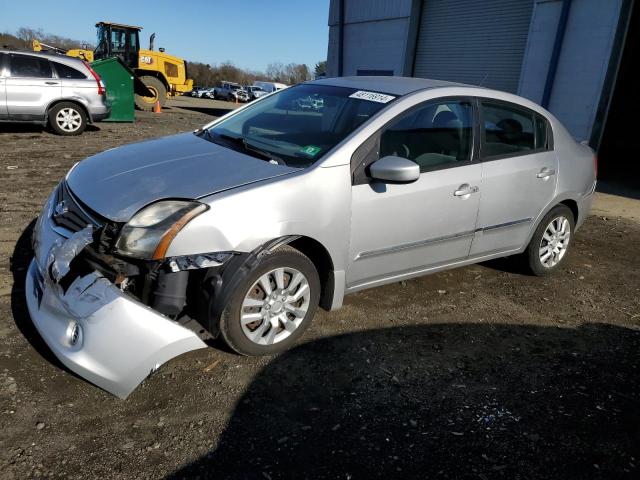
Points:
(244, 227)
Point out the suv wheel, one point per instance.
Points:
(550, 243)
(67, 118)
(273, 305)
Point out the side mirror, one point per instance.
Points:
(395, 169)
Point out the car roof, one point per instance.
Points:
(391, 85)
(49, 55)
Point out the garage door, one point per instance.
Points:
(480, 43)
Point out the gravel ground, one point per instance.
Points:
(482, 372)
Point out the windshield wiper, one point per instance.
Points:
(266, 154)
(241, 141)
(205, 131)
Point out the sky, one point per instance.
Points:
(249, 33)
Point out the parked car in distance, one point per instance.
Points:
(208, 93)
(268, 212)
(270, 86)
(202, 92)
(226, 91)
(240, 95)
(195, 91)
(255, 91)
(49, 89)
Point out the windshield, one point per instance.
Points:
(101, 49)
(299, 125)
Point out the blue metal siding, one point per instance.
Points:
(375, 36)
(369, 10)
(535, 65)
(375, 45)
(583, 64)
(480, 43)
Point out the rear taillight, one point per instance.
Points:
(101, 88)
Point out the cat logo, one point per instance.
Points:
(146, 59)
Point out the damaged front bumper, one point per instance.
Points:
(95, 329)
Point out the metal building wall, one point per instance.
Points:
(481, 43)
(583, 64)
(375, 36)
(503, 44)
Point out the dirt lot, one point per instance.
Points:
(480, 373)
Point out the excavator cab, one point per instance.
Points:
(117, 40)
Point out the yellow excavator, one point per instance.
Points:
(157, 75)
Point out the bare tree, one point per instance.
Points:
(25, 35)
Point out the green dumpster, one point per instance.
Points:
(118, 80)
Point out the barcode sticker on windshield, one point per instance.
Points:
(372, 96)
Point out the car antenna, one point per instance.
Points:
(486, 75)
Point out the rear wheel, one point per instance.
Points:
(550, 243)
(158, 90)
(273, 306)
(67, 118)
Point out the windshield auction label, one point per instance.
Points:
(311, 150)
(372, 96)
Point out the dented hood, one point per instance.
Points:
(119, 182)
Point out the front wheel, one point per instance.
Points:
(158, 94)
(273, 305)
(550, 243)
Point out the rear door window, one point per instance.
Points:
(26, 66)
(507, 130)
(65, 71)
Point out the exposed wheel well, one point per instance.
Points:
(65, 100)
(323, 263)
(573, 206)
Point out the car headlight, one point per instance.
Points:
(150, 232)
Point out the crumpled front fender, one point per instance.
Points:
(96, 330)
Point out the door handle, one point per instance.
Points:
(545, 173)
(464, 190)
(52, 83)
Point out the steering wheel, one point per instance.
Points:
(407, 152)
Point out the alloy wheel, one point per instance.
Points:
(275, 306)
(555, 241)
(69, 119)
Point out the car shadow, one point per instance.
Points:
(456, 401)
(21, 128)
(19, 265)
(36, 128)
(516, 264)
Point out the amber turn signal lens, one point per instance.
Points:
(170, 234)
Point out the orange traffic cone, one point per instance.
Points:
(156, 107)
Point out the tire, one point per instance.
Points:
(159, 94)
(267, 339)
(547, 250)
(67, 118)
